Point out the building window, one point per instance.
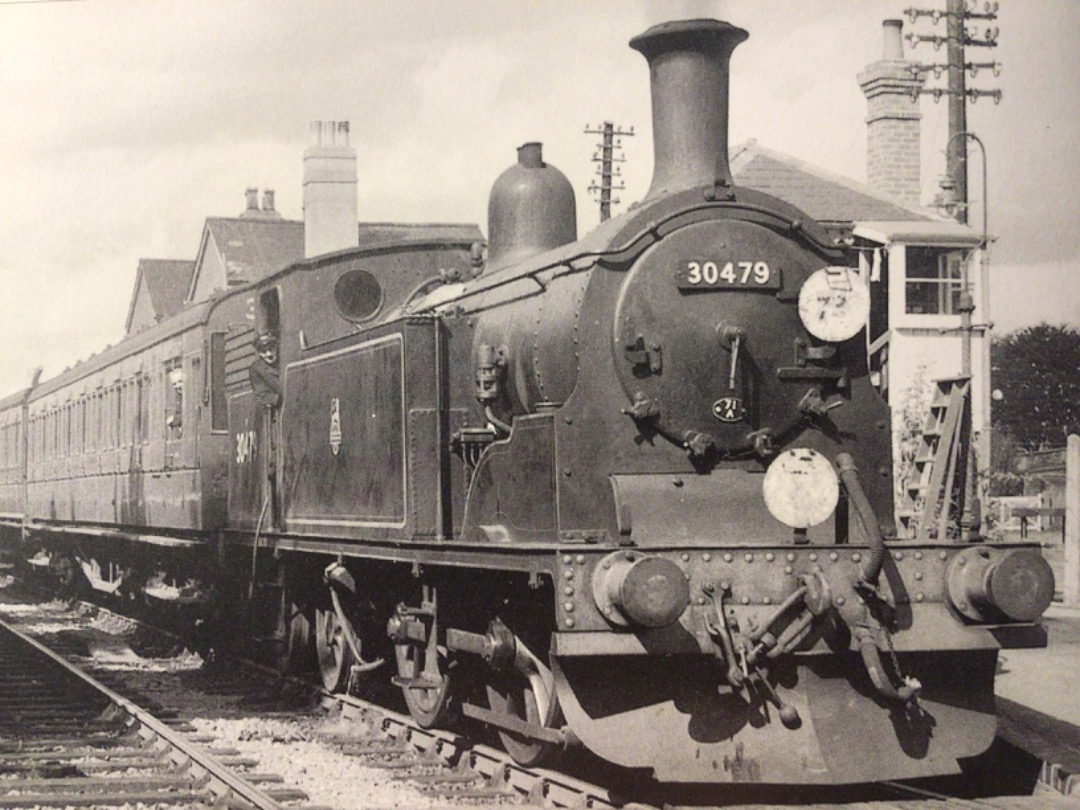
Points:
(932, 281)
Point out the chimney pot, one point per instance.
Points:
(268, 200)
(894, 41)
(252, 195)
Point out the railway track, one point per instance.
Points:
(236, 707)
(380, 759)
(67, 740)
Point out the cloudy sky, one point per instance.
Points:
(123, 125)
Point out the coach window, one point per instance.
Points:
(142, 386)
(93, 428)
(65, 431)
(174, 398)
(103, 419)
(131, 411)
(219, 416)
(80, 426)
(118, 415)
(932, 281)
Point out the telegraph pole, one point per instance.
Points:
(957, 37)
(956, 156)
(607, 158)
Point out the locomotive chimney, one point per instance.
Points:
(688, 66)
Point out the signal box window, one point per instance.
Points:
(932, 281)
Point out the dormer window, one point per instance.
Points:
(932, 281)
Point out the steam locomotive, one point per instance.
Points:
(631, 492)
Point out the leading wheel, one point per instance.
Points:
(530, 699)
(332, 650)
(425, 684)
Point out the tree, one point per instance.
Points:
(1037, 371)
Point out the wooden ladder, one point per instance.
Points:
(933, 496)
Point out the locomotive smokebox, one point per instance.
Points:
(688, 66)
(531, 209)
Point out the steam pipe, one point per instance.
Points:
(849, 475)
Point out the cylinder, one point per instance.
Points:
(689, 73)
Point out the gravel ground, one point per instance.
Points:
(294, 749)
(224, 701)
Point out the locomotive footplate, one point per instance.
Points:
(913, 600)
(755, 663)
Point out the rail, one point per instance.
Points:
(197, 767)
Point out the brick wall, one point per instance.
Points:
(892, 129)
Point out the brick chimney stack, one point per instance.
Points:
(893, 121)
(330, 182)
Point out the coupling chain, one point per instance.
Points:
(912, 705)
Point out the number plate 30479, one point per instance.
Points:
(723, 275)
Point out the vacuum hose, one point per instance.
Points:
(849, 475)
(871, 657)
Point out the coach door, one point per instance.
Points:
(253, 432)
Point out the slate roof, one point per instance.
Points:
(253, 248)
(829, 198)
(166, 281)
